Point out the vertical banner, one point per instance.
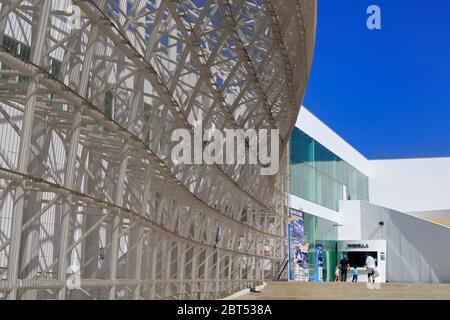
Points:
(318, 266)
(297, 248)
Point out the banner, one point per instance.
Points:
(318, 267)
(297, 248)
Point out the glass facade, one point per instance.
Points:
(321, 232)
(306, 234)
(319, 176)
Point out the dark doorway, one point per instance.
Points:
(358, 258)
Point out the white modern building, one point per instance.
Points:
(396, 210)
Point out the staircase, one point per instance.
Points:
(277, 290)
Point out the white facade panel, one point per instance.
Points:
(409, 185)
(314, 209)
(349, 220)
(417, 249)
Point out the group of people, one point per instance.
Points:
(344, 265)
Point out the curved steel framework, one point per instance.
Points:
(91, 205)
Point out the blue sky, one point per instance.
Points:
(387, 92)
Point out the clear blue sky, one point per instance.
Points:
(387, 92)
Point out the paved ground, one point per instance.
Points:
(349, 291)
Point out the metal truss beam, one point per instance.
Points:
(91, 204)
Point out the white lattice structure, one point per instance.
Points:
(91, 206)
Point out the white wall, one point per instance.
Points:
(409, 185)
(312, 208)
(417, 249)
(312, 126)
(349, 220)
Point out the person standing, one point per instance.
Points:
(370, 266)
(344, 268)
(336, 273)
(355, 274)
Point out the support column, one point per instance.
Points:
(69, 176)
(135, 264)
(117, 223)
(22, 165)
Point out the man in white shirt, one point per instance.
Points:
(370, 265)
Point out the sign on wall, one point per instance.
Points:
(297, 248)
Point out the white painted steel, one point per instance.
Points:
(87, 107)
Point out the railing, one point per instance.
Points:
(281, 269)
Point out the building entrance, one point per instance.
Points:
(356, 251)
